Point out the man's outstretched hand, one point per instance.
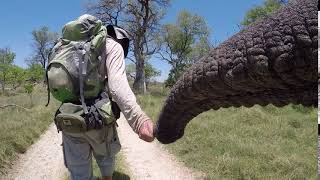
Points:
(146, 131)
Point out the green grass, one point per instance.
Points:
(233, 143)
(21, 128)
(247, 143)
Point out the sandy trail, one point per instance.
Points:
(43, 160)
(150, 160)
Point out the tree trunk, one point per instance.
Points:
(2, 86)
(139, 84)
(31, 102)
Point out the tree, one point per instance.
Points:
(174, 75)
(260, 12)
(16, 76)
(34, 73)
(43, 41)
(183, 43)
(131, 72)
(28, 87)
(6, 61)
(150, 72)
(141, 18)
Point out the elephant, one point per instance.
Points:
(272, 61)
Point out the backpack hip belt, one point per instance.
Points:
(101, 112)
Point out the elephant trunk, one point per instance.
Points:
(271, 61)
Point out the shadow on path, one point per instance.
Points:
(117, 176)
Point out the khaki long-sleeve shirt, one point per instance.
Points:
(113, 67)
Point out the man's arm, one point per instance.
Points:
(122, 93)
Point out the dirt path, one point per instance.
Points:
(43, 160)
(150, 160)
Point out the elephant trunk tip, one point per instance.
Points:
(165, 136)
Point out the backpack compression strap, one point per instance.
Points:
(83, 71)
(48, 88)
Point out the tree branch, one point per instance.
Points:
(131, 59)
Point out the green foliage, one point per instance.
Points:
(174, 75)
(6, 62)
(16, 76)
(150, 72)
(183, 43)
(260, 12)
(21, 128)
(28, 88)
(35, 73)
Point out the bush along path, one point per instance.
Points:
(150, 160)
(43, 160)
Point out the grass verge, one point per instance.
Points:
(247, 143)
(21, 128)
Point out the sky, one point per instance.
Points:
(20, 17)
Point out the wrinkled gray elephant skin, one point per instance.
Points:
(273, 61)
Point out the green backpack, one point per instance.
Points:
(73, 77)
(73, 62)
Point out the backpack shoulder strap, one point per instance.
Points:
(48, 88)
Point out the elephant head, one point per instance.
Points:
(273, 61)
